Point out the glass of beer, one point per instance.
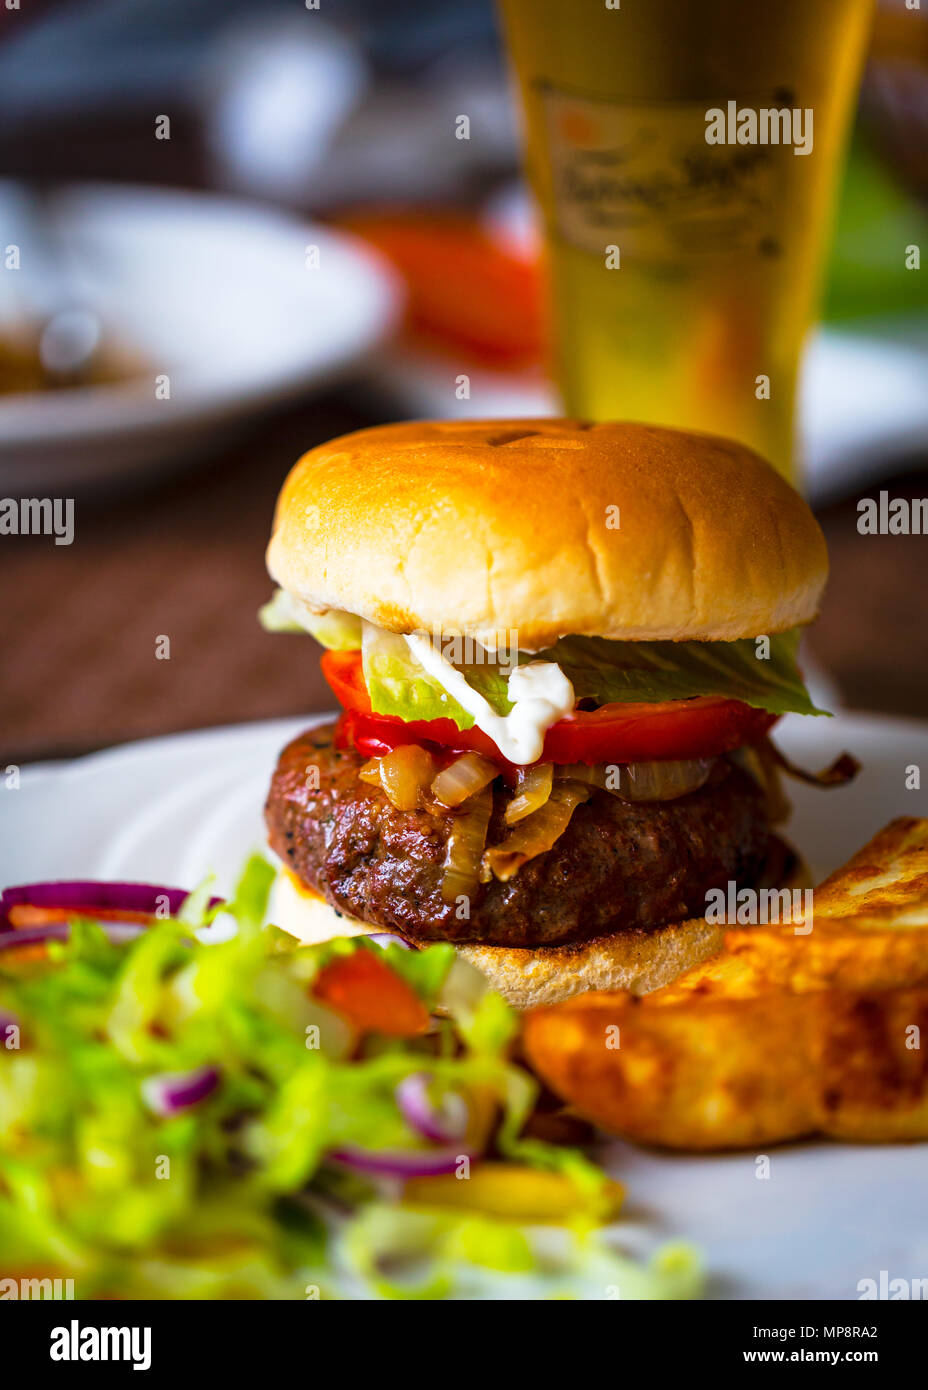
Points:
(685, 155)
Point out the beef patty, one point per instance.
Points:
(617, 866)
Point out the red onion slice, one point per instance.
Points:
(444, 1124)
(400, 1163)
(86, 896)
(386, 938)
(173, 1092)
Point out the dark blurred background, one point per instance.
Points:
(345, 116)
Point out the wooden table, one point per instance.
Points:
(80, 625)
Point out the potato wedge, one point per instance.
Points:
(707, 1072)
(843, 954)
(886, 881)
(781, 1035)
(869, 925)
(723, 976)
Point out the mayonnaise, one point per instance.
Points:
(540, 692)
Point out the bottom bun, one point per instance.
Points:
(637, 961)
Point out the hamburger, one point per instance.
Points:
(558, 649)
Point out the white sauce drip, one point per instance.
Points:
(540, 692)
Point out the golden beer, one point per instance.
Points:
(684, 273)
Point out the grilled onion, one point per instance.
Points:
(463, 778)
(404, 774)
(765, 762)
(465, 847)
(601, 777)
(660, 780)
(532, 792)
(537, 832)
(843, 769)
(663, 780)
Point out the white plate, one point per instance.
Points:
(171, 810)
(214, 292)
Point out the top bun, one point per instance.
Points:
(548, 527)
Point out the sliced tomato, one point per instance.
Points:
(370, 995)
(620, 733)
(699, 728)
(345, 675)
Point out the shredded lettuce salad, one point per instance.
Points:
(237, 1191)
(763, 674)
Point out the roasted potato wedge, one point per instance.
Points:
(781, 1035)
(886, 881)
(840, 954)
(869, 925)
(709, 1072)
(723, 976)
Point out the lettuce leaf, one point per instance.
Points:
(339, 631)
(419, 1253)
(399, 684)
(599, 669)
(648, 672)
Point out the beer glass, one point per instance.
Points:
(686, 193)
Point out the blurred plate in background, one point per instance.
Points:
(215, 293)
